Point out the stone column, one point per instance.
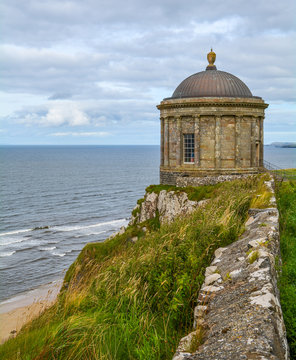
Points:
(257, 142)
(217, 142)
(178, 140)
(166, 141)
(253, 142)
(197, 139)
(261, 142)
(161, 141)
(237, 141)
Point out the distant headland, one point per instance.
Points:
(284, 144)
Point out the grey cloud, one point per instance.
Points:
(48, 17)
(101, 113)
(118, 61)
(60, 96)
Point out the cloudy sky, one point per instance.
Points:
(93, 71)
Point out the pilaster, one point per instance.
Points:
(197, 139)
(237, 141)
(261, 142)
(217, 142)
(253, 140)
(161, 141)
(179, 141)
(166, 141)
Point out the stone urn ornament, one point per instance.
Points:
(211, 59)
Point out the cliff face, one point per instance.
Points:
(167, 205)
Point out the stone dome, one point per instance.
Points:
(212, 83)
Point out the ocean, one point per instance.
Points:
(55, 199)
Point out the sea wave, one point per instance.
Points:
(58, 254)
(7, 253)
(79, 227)
(48, 248)
(90, 233)
(26, 248)
(10, 241)
(58, 228)
(15, 232)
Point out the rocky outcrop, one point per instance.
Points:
(239, 315)
(168, 205)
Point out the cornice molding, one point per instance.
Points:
(211, 104)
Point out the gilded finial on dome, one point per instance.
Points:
(211, 59)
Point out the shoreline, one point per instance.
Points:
(21, 309)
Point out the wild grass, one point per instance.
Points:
(262, 196)
(286, 200)
(135, 301)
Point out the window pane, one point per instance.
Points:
(188, 142)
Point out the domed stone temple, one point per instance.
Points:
(211, 125)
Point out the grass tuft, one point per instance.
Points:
(254, 255)
(262, 196)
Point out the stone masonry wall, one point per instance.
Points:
(239, 315)
(168, 177)
(228, 135)
(183, 179)
(207, 180)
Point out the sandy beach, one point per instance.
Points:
(19, 310)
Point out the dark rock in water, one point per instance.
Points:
(40, 228)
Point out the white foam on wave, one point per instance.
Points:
(78, 227)
(34, 242)
(58, 254)
(10, 241)
(48, 248)
(20, 243)
(7, 253)
(15, 232)
(92, 233)
(70, 251)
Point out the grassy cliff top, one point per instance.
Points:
(125, 300)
